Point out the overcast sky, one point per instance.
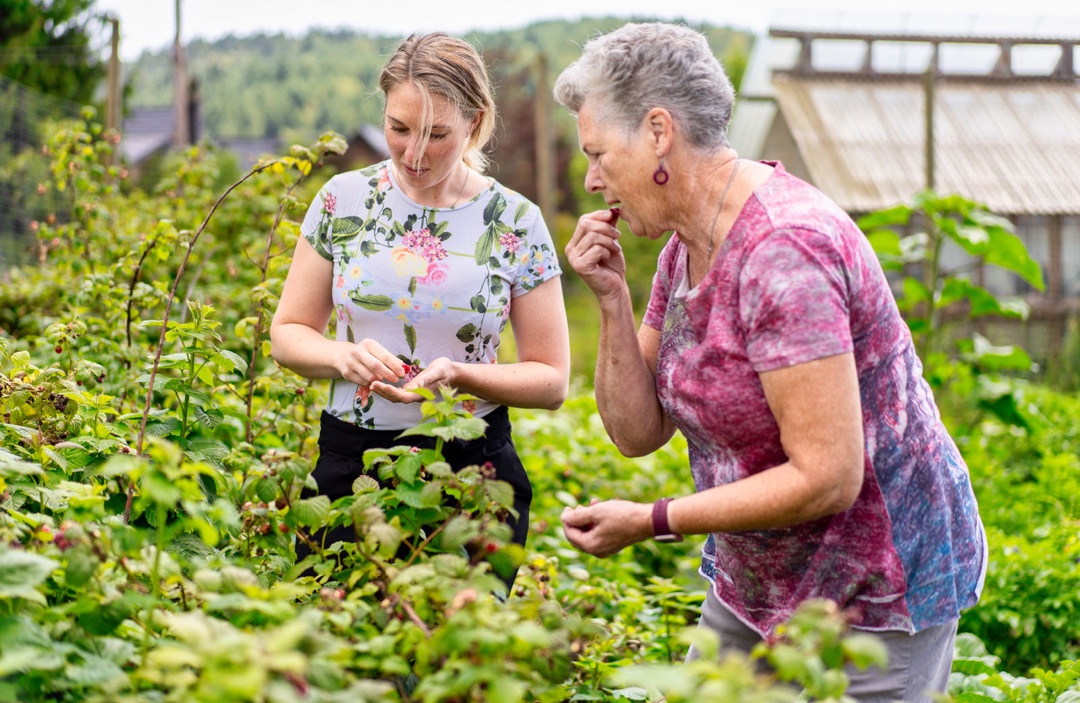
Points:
(148, 24)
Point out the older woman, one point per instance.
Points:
(772, 342)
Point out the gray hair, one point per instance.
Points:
(637, 67)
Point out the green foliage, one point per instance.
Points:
(976, 678)
(930, 295)
(1028, 485)
(1019, 440)
(152, 460)
(297, 87)
(151, 472)
(46, 45)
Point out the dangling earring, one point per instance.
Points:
(660, 176)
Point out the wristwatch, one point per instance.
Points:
(661, 531)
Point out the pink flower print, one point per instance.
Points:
(384, 179)
(435, 276)
(510, 242)
(329, 204)
(363, 393)
(506, 310)
(468, 406)
(424, 245)
(340, 281)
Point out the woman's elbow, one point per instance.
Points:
(845, 491)
(634, 446)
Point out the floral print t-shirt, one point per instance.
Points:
(795, 280)
(423, 282)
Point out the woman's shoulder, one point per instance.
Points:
(376, 175)
(521, 209)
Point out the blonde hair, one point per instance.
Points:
(438, 64)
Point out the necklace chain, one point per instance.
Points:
(712, 227)
(462, 191)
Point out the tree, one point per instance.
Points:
(47, 45)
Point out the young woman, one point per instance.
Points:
(423, 260)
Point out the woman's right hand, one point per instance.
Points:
(594, 252)
(367, 361)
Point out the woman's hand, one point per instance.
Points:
(438, 374)
(367, 362)
(602, 529)
(595, 254)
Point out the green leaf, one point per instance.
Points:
(412, 494)
(81, 565)
(972, 667)
(1007, 251)
(266, 489)
(457, 532)
(211, 418)
(345, 228)
(484, 245)
(891, 217)
(500, 492)
(95, 671)
(407, 467)
(864, 650)
(884, 242)
(375, 303)
(410, 338)
(972, 697)
(467, 333)
(494, 210)
(75, 457)
(228, 360)
(364, 484)
(503, 689)
(311, 512)
(915, 291)
(999, 358)
(22, 572)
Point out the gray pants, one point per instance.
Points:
(919, 664)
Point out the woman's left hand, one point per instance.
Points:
(439, 372)
(602, 529)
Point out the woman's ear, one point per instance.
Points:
(661, 129)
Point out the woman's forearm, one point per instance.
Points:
(525, 384)
(303, 350)
(625, 385)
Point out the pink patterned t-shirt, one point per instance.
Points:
(795, 280)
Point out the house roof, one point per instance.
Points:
(849, 87)
(146, 131)
(1013, 147)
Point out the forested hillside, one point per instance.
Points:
(295, 88)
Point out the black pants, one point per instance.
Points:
(341, 461)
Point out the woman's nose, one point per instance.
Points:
(593, 182)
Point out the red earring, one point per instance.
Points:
(660, 176)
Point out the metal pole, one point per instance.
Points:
(928, 86)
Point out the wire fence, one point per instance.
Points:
(25, 119)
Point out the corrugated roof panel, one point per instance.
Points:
(750, 126)
(1015, 147)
